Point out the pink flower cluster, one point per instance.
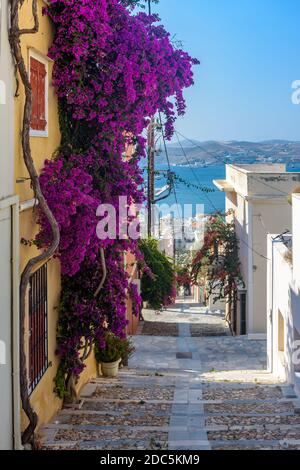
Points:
(113, 70)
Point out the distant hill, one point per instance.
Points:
(215, 153)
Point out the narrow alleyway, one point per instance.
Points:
(197, 389)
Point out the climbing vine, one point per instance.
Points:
(113, 69)
(217, 264)
(15, 35)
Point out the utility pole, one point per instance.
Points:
(151, 168)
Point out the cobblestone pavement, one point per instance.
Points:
(151, 328)
(183, 393)
(202, 321)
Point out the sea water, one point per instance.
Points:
(198, 176)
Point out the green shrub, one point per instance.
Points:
(158, 288)
(116, 349)
(112, 352)
(128, 350)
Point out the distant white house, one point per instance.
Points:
(257, 197)
(283, 303)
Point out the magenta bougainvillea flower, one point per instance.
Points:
(113, 70)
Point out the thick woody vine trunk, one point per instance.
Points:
(15, 37)
(71, 381)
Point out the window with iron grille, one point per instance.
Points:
(38, 326)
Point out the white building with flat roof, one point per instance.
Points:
(257, 197)
(283, 302)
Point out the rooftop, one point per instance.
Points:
(259, 181)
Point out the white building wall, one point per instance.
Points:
(280, 318)
(6, 108)
(295, 288)
(258, 194)
(296, 238)
(284, 302)
(9, 243)
(268, 217)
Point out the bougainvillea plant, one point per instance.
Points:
(184, 278)
(113, 70)
(217, 264)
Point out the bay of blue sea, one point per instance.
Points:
(199, 176)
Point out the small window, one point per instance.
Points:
(38, 327)
(39, 84)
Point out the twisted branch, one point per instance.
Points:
(104, 273)
(15, 34)
(88, 346)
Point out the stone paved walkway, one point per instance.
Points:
(184, 393)
(202, 321)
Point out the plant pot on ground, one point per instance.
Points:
(117, 350)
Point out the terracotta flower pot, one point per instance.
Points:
(110, 369)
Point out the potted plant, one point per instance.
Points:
(110, 357)
(128, 350)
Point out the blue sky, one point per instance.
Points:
(250, 55)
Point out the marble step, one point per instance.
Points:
(253, 408)
(256, 445)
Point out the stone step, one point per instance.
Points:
(256, 445)
(231, 421)
(256, 408)
(252, 427)
(250, 401)
(142, 407)
(117, 444)
(134, 393)
(96, 418)
(250, 393)
(256, 434)
(137, 381)
(93, 436)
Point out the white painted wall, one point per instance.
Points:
(6, 109)
(296, 237)
(6, 190)
(283, 290)
(295, 287)
(268, 217)
(261, 207)
(6, 385)
(279, 303)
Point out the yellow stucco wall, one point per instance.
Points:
(44, 401)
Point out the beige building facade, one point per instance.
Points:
(257, 197)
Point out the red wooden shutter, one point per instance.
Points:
(38, 82)
(42, 97)
(34, 74)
